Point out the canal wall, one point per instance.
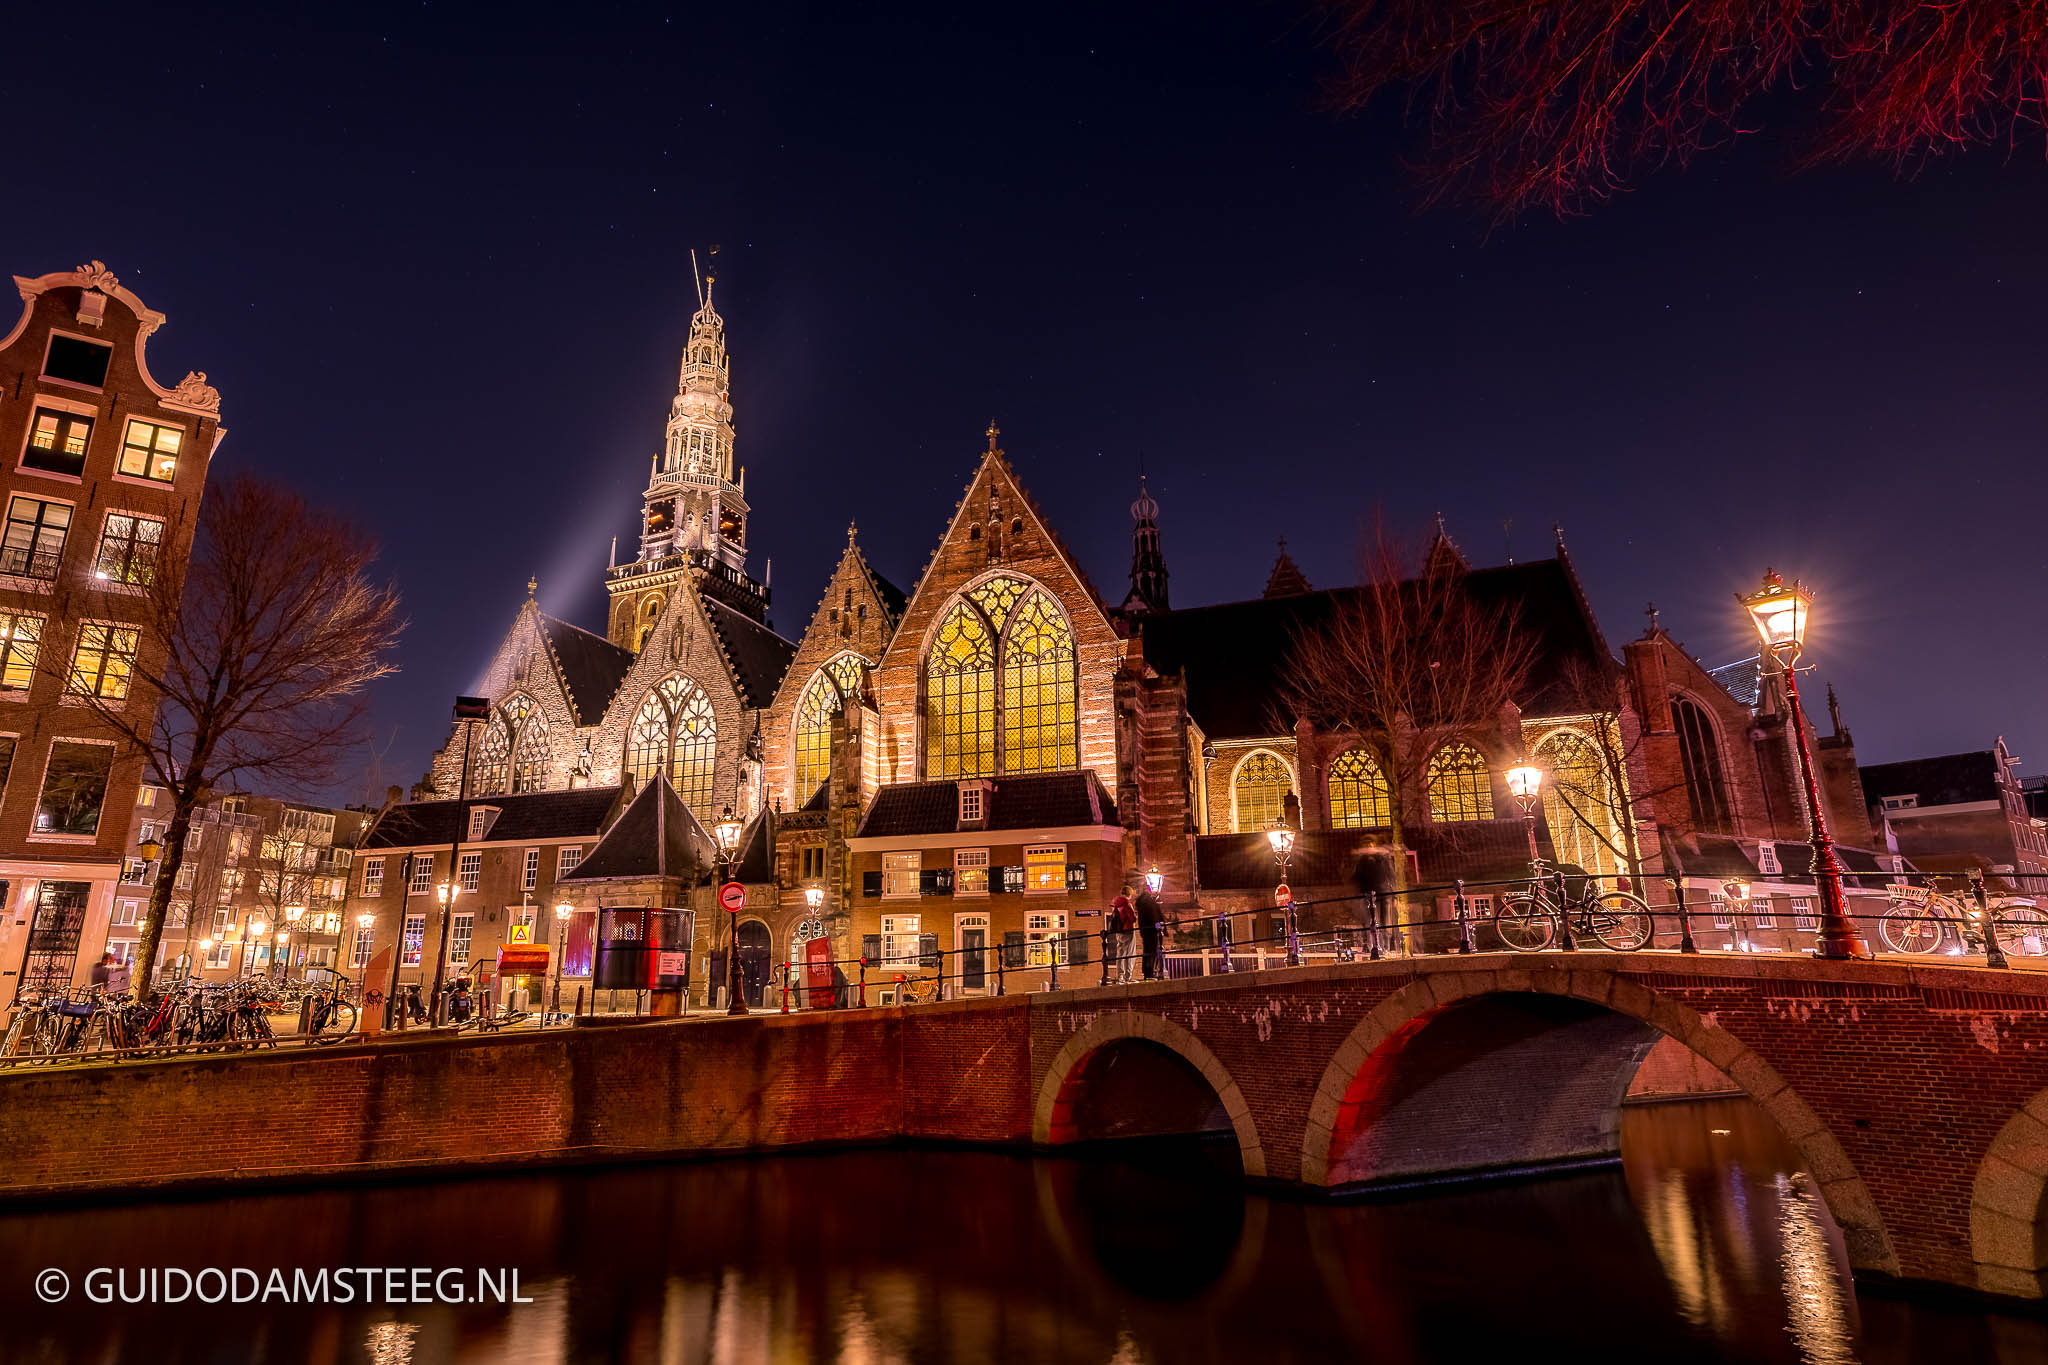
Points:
(956, 1072)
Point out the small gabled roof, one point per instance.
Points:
(1028, 801)
(528, 816)
(759, 656)
(591, 667)
(1742, 680)
(656, 837)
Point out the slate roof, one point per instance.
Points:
(531, 815)
(759, 656)
(1945, 781)
(1030, 801)
(1742, 680)
(1477, 851)
(1720, 856)
(1235, 655)
(656, 837)
(591, 666)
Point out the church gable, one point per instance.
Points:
(531, 742)
(997, 530)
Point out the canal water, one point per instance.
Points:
(1706, 1246)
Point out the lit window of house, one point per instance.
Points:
(460, 928)
(970, 872)
(471, 871)
(415, 934)
(373, 876)
(150, 450)
(20, 636)
(900, 874)
(128, 549)
(899, 940)
(1045, 869)
(1047, 935)
(57, 441)
(103, 661)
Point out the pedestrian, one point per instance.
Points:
(1373, 875)
(1151, 929)
(1123, 933)
(118, 977)
(102, 969)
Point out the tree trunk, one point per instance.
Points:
(183, 804)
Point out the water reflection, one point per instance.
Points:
(1709, 1247)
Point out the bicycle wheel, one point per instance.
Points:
(2022, 930)
(1525, 924)
(1909, 929)
(1621, 921)
(335, 1024)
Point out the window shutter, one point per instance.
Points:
(945, 881)
(871, 948)
(1077, 946)
(928, 882)
(871, 884)
(1013, 948)
(1077, 876)
(927, 950)
(1013, 878)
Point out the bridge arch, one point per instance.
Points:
(2009, 1206)
(1454, 1046)
(1165, 1054)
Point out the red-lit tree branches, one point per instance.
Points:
(1555, 103)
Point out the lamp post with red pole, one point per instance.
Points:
(733, 897)
(1779, 611)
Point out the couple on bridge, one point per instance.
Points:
(1134, 921)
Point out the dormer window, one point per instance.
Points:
(973, 805)
(1767, 860)
(1906, 802)
(481, 818)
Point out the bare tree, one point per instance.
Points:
(1405, 661)
(258, 652)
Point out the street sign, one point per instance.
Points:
(521, 933)
(1283, 894)
(733, 897)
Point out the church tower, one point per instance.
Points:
(694, 512)
(1148, 561)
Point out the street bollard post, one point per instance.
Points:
(1994, 951)
(1685, 939)
(1564, 916)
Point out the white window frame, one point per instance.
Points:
(973, 803)
(1724, 914)
(1043, 853)
(469, 871)
(970, 864)
(1762, 915)
(461, 932)
(373, 876)
(1803, 916)
(897, 931)
(359, 951)
(124, 912)
(532, 874)
(479, 821)
(566, 858)
(1767, 859)
(901, 871)
(1042, 927)
(422, 883)
(412, 940)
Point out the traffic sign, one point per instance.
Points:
(1283, 894)
(733, 897)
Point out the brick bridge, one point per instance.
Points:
(1917, 1096)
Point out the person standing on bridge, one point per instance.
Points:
(1123, 933)
(1151, 929)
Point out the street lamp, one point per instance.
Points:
(727, 831)
(1778, 611)
(562, 913)
(1281, 841)
(292, 914)
(1525, 784)
(1155, 880)
(151, 848)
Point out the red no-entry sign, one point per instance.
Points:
(733, 897)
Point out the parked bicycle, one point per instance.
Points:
(1527, 921)
(333, 1016)
(1921, 919)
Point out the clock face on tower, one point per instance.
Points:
(660, 516)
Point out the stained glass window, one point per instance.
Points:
(530, 755)
(491, 772)
(996, 597)
(823, 699)
(1460, 787)
(1578, 803)
(675, 729)
(960, 697)
(1700, 756)
(1038, 689)
(1260, 787)
(1358, 792)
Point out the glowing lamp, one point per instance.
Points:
(727, 831)
(814, 897)
(205, 945)
(1282, 840)
(1525, 780)
(564, 910)
(1778, 611)
(295, 913)
(1154, 880)
(151, 848)
(1737, 890)
(284, 936)
(256, 928)
(365, 920)
(446, 892)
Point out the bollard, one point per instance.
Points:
(1000, 955)
(1293, 933)
(863, 983)
(1464, 919)
(579, 1002)
(1994, 951)
(1564, 917)
(1685, 939)
(1105, 956)
(1056, 945)
(785, 988)
(899, 989)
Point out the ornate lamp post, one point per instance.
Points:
(1779, 612)
(727, 831)
(1525, 784)
(562, 913)
(1281, 840)
(292, 914)
(1155, 880)
(252, 929)
(447, 893)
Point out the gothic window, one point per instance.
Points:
(511, 754)
(491, 773)
(1578, 803)
(1259, 791)
(1460, 787)
(1004, 655)
(823, 699)
(530, 754)
(1038, 685)
(1700, 755)
(674, 732)
(1358, 792)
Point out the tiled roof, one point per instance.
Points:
(1477, 851)
(1944, 781)
(656, 837)
(1032, 801)
(759, 656)
(592, 667)
(1236, 655)
(1742, 680)
(531, 815)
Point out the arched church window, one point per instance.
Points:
(1003, 655)
(1699, 754)
(674, 731)
(1460, 785)
(491, 770)
(824, 698)
(1578, 803)
(1259, 791)
(960, 696)
(1358, 791)
(1038, 687)
(530, 754)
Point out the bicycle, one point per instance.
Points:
(1920, 919)
(1527, 921)
(333, 1017)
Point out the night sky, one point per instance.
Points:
(436, 260)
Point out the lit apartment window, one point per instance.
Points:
(471, 869)
(150, 450)
(900, 874)
(373, 876)
(128, 550)
(899, 940)
(1045, 869)
(57, 442)
(566, 860)
(415, 934)
(1802, 914)
(103, 661)
(359, 956)
(1047, 935)
(532, 878)
(19, 638)
(36, 528)
(970, 872)
(459, 930)
(422, 874)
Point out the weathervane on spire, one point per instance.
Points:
(532, 587)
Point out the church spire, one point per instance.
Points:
(1287, 579)
(1148, 561)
